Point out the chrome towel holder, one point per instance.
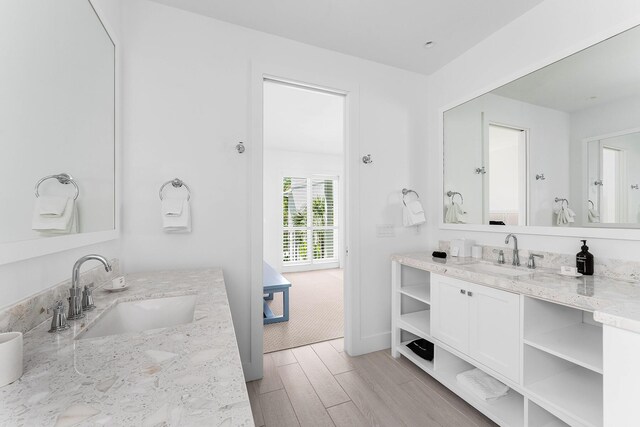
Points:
(557, 199)
(176, 183)
(453, 194)
(406, 191)
(63, 178)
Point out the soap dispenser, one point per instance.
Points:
(584, 260)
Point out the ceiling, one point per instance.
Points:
(604, 73)
(302, 120)
(391, 32)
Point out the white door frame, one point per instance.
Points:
(317, 79)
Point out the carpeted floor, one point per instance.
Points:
(315, 311)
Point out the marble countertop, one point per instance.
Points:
(187, 375)
(614, 302)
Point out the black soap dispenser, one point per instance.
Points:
(584, 260)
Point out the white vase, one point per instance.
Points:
(11, 357)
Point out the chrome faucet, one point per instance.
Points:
(516, 255)
(75, 293)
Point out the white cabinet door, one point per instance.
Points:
(450, 312)
(494, 336)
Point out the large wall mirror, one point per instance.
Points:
(559, 147)
(57, 121)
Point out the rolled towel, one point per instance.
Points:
(67, 223)
(178, 223)
(413, 213)
(51, 206)
(481, 384)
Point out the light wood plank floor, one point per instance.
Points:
(320, 385)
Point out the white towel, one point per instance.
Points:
(51, 206)
(564, 215)
(178, 223)
(172, 207)
(67, 223)
(413, 214)
(455, 214)
(481, 384)
(594, 215)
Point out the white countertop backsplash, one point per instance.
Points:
(189, 374)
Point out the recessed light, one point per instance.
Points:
(428, 44)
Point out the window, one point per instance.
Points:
(309, 220)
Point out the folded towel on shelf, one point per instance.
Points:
(172, 207)
(51, 206)
(455, 214)
(413, 213)
(593, 215)
(481, 384)
(66, 223)
(178, 223)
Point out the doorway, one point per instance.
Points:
(304, 218)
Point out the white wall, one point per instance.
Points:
(187, 103)
(278, 164)
(19, 280)
(548, 152)
(546, 33)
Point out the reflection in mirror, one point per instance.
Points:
(57, 120)
(558, 147)
(614, 178)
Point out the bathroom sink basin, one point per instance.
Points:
(137, 316)
(498, 269)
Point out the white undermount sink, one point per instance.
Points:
(498, 269)
(137, 316)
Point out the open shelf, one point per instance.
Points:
(507, 410)
(576, 392)
(580, 343)
(423, 364)
(419, 292)
(418, 323)
(539, 417)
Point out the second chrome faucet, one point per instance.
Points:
(516, 254)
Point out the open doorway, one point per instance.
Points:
(303, 214)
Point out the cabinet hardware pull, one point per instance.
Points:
(462, 291)
(470, 293)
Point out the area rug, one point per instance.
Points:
(316, 311)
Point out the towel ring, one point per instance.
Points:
(592, 205)
(177, 183)
(557, 199)
(406, 191)
(63, 178)
(453, 194)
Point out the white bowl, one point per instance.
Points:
(11, 357)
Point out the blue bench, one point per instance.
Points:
(273, 282)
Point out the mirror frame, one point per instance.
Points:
(26, 249)
(588, 232)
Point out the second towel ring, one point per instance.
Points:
(63, 178)
(406, 191)
(177, 183)
(558, 199)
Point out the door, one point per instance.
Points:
(494, 336)
(450, 312)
